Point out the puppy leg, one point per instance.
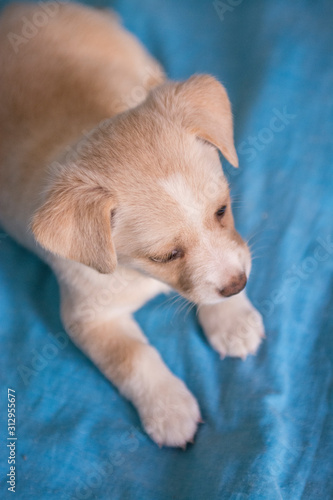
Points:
(233, 327)
(168, 411)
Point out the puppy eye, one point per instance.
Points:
(221, 211)
(175, 254)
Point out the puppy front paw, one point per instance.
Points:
(240, 338)
(170, 414)
(234, 328)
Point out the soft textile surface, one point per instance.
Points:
(268, 430)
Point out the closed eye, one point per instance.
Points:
(221, 212)
(175, 254)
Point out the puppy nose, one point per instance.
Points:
(236, 285)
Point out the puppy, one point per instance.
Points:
(111, 174)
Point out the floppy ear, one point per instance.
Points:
(208, 113)
(75, 222)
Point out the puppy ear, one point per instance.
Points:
(75, 222)
(208, 113)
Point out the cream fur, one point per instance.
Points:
(106, 169)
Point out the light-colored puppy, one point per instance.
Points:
(115, 172)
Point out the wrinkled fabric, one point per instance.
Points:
(268, 431)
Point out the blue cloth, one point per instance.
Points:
(268, 431)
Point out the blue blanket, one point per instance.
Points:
(268, 431)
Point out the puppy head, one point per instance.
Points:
(148, 190)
